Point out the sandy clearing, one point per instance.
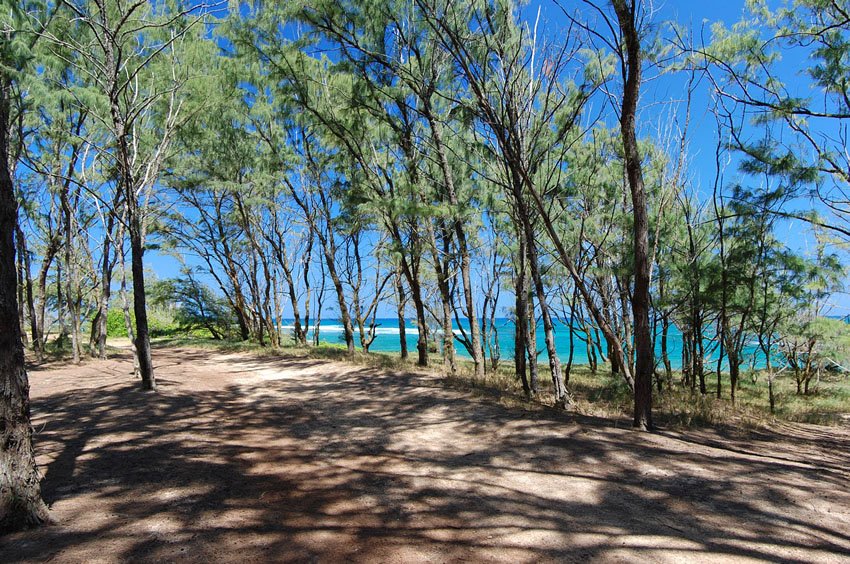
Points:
(241, 459)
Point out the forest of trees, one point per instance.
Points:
(437, 156)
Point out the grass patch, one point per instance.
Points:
(599, 393)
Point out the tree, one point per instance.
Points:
(197, 305)
(20, 492)
(630, 57)
(766, 69)
(128, 55)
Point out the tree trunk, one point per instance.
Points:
(521, 315)
(299, 334)
(320, 300)
(21, 505)
(665, 330)
(125, 306)
(531, 345)
(410, 269)
(401, 301)
(719, 367)
(347, 327)
(562, 398)
(644, 365)
(107, 266)
(444, 288)
(421, 319)
(143, 342)
(572, 327)
(21, 283)
(71, 275)
(460, 236)
(34, 327)
(734, 372)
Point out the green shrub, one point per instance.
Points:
(115, 323)
(161, 322)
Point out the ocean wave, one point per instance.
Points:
(341, 329)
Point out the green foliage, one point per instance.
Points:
(162, 321)
(115, 326)
(192, 306)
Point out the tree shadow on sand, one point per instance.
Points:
(340, 463)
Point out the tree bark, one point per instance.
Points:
(561, 397)
(70, 273)
(37, 345)
(644, 363)
(476, 349)
(521, 315)
(443, 285)
(21, 505)
(143, 342)
(107, 264)
(400, 303)
(531, 343)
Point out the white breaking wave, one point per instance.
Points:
(332, 329)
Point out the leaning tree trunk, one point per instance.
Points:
(562, 398)
(21, 505)
(330, 256)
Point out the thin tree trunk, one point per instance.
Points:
(460, 237)
(561, 395)
(569, 365)
(70, 277)
(521, 315)
(531, 345)
(305, 271)
(665, 354)
(21, 283)
(591, 354)
(444, 288)
(143, 342)
(734, 371)
(421, 319)
(125, 307)
(298, 332)
(720, 356)
(37, 345)
(107, 265)
(60, 310)
(401, 301)
(320, 300)
(348, 328)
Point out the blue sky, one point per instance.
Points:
(656, 107)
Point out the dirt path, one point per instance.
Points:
(241, 459)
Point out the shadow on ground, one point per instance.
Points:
(318, 461)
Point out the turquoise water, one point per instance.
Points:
(387, 340)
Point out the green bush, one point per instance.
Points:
(161, 322)
(115, 323)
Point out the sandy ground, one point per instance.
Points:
(240, 459)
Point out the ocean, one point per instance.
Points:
(387, 340)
